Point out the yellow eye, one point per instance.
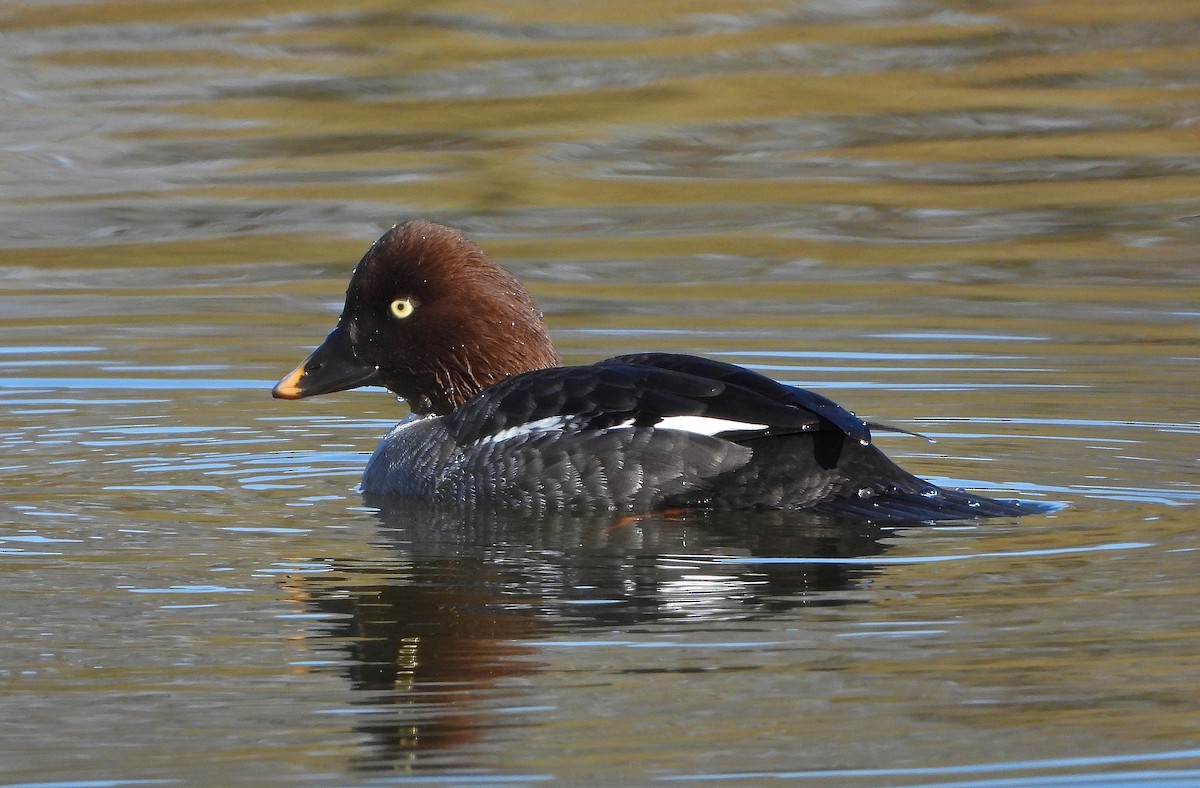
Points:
(402, 308)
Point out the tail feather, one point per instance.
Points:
(932, 504)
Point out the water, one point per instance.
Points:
(977, 221)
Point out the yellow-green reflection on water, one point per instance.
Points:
(973, 219)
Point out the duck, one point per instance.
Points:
(497, 421)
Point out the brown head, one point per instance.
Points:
(430, 316)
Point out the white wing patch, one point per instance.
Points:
(699, 425)
(528, 428)
(705, 425)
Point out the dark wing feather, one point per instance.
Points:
(822, 408)
(646, 388)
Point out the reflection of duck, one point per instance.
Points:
(434, 636)
(425, 644)
(590, 571)
(434, 319)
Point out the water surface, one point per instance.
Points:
(975, 220)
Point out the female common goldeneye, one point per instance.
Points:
(496, 421)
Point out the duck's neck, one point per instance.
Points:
(443, 383)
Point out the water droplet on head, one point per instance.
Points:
(866, 492)
(929, 492)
